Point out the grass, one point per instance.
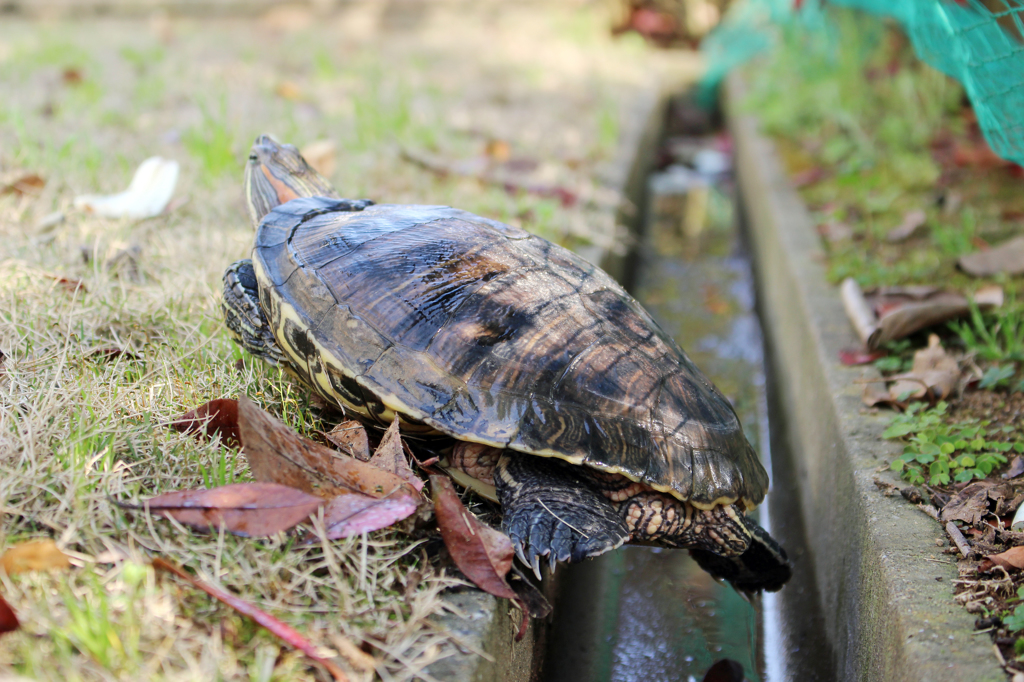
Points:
(79, 429)
(852, 98)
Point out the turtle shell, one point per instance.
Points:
(489, 334)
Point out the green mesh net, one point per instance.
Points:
(978, 42)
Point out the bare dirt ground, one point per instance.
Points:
(527, 97)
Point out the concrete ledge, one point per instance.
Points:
(884, 587)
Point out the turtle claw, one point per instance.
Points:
(536, 566)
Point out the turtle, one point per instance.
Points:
(565, 401)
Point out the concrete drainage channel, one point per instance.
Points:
(871, 598)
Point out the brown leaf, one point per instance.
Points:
(482, 553)
(835, 232)
(72, 76)
(390, 456)
(905, 310)
(29, 184)
(1007, 257)
(859, 356)
(875, 395)
(288, 90)
(276, 453)
(356, 657)
(971, 504)
(1016, 468)
(282, 631)
(247, 509)
(350, 437)
(34, 555)
(8, 619)
(912, 222)
(498, 150)
(217, 417)
(1011, 558)
(933, 374)
(322, 155)
(355, 513)
(69, 284)
(809, 176)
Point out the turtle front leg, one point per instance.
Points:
(550, 509)
(244, 315)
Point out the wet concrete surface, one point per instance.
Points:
(648, 614)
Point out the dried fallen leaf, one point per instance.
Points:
(858, 356)
(912, 222)
(350, 437)
(28, 184)
(288, 90)
(482, 553)
(69, 284)
(282, 631)
(498, 151)
(8, 619)
(874, 395)
(390, 456)
(355, 513)
(1015, 469)
(322, 155)
(246, 509)
(835, 232)
(1007, 257)
(276, 453)
(34, 555)
(905, 310)
(147, 194)
(356, 657)
(217, 417)
(933, 374)
(1011, 558)
(971, 504)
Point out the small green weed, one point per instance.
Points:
(938, 452)
(1015, 621)
(997, 376)
(996, 337)
(899, 359)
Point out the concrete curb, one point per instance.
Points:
(884, 587)
(480, 622)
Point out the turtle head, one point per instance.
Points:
(277, 173)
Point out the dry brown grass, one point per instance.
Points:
(77, 429)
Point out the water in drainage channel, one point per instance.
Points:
(653, 615)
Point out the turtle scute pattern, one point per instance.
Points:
(489, 334)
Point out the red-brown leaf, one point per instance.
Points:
(282, 631)
(356, 513)
(483, 554)
(859, 356)
(8, 619)
(69, 284)
(217, 417)
(247, 509)
(29, 184)
(390, 456)
(350, 438)
(1011, 558)
(277, 454)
